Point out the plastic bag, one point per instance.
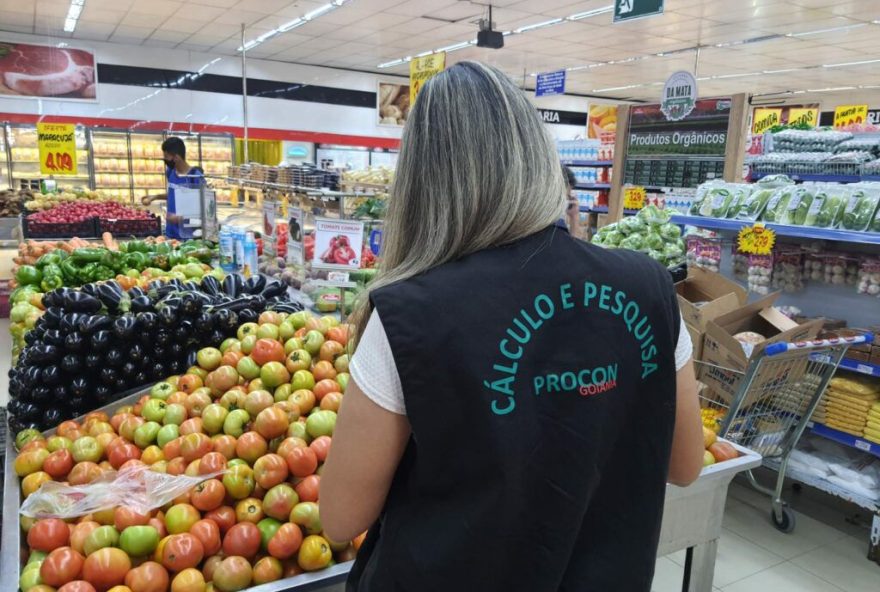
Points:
(137, 487)
(861, 206)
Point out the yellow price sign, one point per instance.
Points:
(634, 197)
(56, 143)
(756, 240)
(845, 115)
(423, 69)
(801, 116)
(763, 119)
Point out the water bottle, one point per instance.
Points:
(238, 237)
(227, 250)
(250, 256)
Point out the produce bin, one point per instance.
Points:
(8, 228)
(58, 230)
(136, 228)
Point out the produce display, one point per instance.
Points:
(861, 207)
(716, 449)
(92, 344)
(12, 202)
(649, 232)
(380, 175)
(47, 201)
(80, 217)
(252, 420)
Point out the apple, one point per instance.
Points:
(146, 434)
(298, 359)
(313, 342)
(235, 422)
(162, 390)
(209, 358)
(274, 374)
(247, 329)
(268, 331)
(213, 417)
(248, 368)
(248, 343)
(175, 413)
(230, 344)
(166, 434)
(302, 379)
(154, 410)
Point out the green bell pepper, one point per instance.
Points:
(28, 275)
(52, 278)
(160, 260)
(136, 260)
(53, 258)
(88, 255)
(161, 248)
(70, 272)
(87, 273)
(137, 246)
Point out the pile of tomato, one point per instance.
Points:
(259, 412)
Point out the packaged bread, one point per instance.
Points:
(856, 386)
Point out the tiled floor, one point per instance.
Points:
(825, 553)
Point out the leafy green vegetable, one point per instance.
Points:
(777, 205)
(860, 209)
(670, 231)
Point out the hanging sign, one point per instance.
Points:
(803, 116)
(57, 147)
(763, 119)
(634, 197)
(550, 83)
(756, 240)
(269, 210)
(423, 69)
(845, 115)
(679, 96)
(338, 244)
(627, 10)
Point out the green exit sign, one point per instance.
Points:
(627, 10)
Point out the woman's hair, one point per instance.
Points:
(570, 179)
(477, 169)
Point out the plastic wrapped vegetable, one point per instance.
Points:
(798, 206)
(670, 231)
(717, 202)
(634, 242)
(656, 255)
(653, 215)
(632, 225)
(778, 204)
(827, 207)
(875, 225)
(613, 238)
(753, 204)
(774, 181)
(741, 192)
(654, 241)
(860, 209)
(701, 196)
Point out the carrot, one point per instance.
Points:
(67, 247)
(109, 242)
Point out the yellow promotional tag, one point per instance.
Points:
(801, 116)
(56, 143)
(763, 119)
(756, 240)
(422, 69)
(845, 115)
(634, 197)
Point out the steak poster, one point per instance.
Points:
(44, 71)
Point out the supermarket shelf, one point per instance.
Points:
(813, 177)
(593, 186)
(604, 210)
(860, 367)
(595, 163)
(844, 438)
(847, 236)
(826, 486)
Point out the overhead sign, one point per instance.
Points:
(763, 119)
(56, 143)
(702, 133)
(845, 115)
(803, 116)
(550, 83)
(679, 96)
(627, 10)
(423, 69)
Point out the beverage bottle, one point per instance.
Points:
(250, 259)
(227, 250)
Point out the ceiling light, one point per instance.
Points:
(454, 47)
(737, 75)
(73, 14)
(595, 90)
(297, 22)
(69, 25)
(590, 13)
(780, 71)
(841, 65)
(393, 63)
(831, 89)
(830, 30)
(319, 11)
(542, 25)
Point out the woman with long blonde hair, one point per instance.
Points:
(518, 398)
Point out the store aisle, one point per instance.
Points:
(754, 556)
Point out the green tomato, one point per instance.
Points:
(321, 423)
(139, 541)
(36, 557)
(167, 433)
(235, 421)
(175, 413)
(213, 417)
(145, 434)
(162, 390)
(103, 536)
(30, 577)
(58, 442)
(268, 527)
(86, 448)
(154, 410)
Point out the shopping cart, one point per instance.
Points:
(768, 406)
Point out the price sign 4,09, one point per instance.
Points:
(59, 162)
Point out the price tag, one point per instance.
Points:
(845, 115)
(756, 240)
(862, 445)
(421, 69)
(56, 143)
(337, 276)
(634, 197)
(865, 369)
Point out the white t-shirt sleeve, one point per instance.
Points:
(372, 367)
(684, 349)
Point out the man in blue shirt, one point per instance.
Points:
(179, 174)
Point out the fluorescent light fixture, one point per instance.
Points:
(69, 25)
(319, 11)
(617, 88)
(290, 25)
(829, 30)
(541, 25)
(297, 22)
(831, 89)
(737, 75)
(454, 47)
(393, 63)
(73, 14)
(844, 64)
(590, 13)
(780, 71)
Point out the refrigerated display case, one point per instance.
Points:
(216, 155)
(5, 181)
(25, 159)
(111, 162)
(147, 170)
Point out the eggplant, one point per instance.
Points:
(233, 285)
(108, 376)
(60, 392)
(114, 357)
(93, 360)
(177, 350)
(184, 330)
(75, 301)
(42, 395)
(162, 338)
(72, 363)
(135, 353)
(79, 386)
(70, 322)
(114, 297)
(124, 327)
(236, 305)
(248, 315)
(147, 339)
(189, 304)
(53, 416)
(190, 286)
(204, 322)
(288, 307)
(140, 378)
(154, 285)
(76, 404)
(217, 336)
(90, 289)
(210, 285)
(168, 316)
(94, 323)
(53, 337)
(51, 375)
(43, 354)
(104, 393)
(52, 317)
(141, 304)
(31, 339)
(52, 299)
(147, 320)
(274, 287)
(129, 369)
(74, 343)
(101, 340)
(157, 370)
(255, 284)
(136, 291)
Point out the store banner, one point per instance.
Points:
(338, 244)
(763, 119)
(295, 230)
(46, 71)
(679, 95)
(845, 115)
(627, 10)
(56, 144)
(550, 83)
(423, 69)
(602, 120)
(702, 133)
(803, 116)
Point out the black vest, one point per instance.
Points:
(539, 381)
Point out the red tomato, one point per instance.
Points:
(61, 566)
(48, 534)
(321, 447)
(180, 517)
(123, 517)
(324, 370)
(289, 444)
(307, 489)
(243, 539)
(267, 350)
(271, 422)
(182, 551)
(250, 446)
(325, 386)
(148, 577)
(208, 495)
(208, 533)
(59, 463)
(159, 525)
(267, 569)
(212, 462)
(224, 516)
(302, 462)
(84, 472)
(270, 470)
(233, 573)
(106, 568)
(208, 567)
(225, 445)
(285, 543)
(193, 446)
(171, 450)
(74, 586)
(120, 454)
(80, 532)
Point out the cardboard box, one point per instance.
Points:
(705, 295)
(726, 360)
(697, 340)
